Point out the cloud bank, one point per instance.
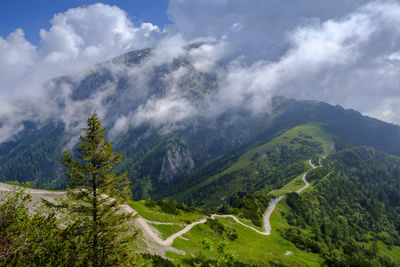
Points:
(77, 39)
(344, 52)
(341, 52)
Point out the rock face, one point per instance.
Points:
(332, 147)
(178, 161)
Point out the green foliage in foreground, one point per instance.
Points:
(354, 204)
(34, 239)
(38, 240)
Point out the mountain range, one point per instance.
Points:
(228, 161)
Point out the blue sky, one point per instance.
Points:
(31, 16)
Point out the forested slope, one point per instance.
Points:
(352, 214)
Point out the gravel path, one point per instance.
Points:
(307, 184)
(271, 207)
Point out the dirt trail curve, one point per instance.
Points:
(314, 166)
(149, 231)
(305, 176)
(144, 225)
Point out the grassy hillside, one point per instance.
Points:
(262, 168)
(223, 238)
(205, 240)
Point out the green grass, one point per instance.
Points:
(393, 252)
(292, 186)
(250, 246)
(158, 216)
(249, 223)
(166, 230)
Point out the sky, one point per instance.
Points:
(341, 52)
(32, 16)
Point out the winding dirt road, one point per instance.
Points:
(314, 166)
(305, 181)
(149, 231)
(144, 224)
(271, 207)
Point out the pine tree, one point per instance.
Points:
(95, 198)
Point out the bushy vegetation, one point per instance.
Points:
(247, 206)
(168, 207)
(203, 262)
(317, 174)
(156, 260)
(33, 239)
(221, 230)
(38, 239)
(356, 205)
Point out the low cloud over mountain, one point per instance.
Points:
(342, 53)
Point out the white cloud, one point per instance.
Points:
(94, 33)
(16, 56)
(342, 52)
(205, 57)
(255, 28)
(77, 40)
(335, 60)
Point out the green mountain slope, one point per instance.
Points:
(262, 168)
(348, 216)
(351, 215)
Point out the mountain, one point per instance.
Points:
(233, 162)
(161, 163)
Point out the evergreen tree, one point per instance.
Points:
(95, 198)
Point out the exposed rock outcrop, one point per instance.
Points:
(178, 161)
